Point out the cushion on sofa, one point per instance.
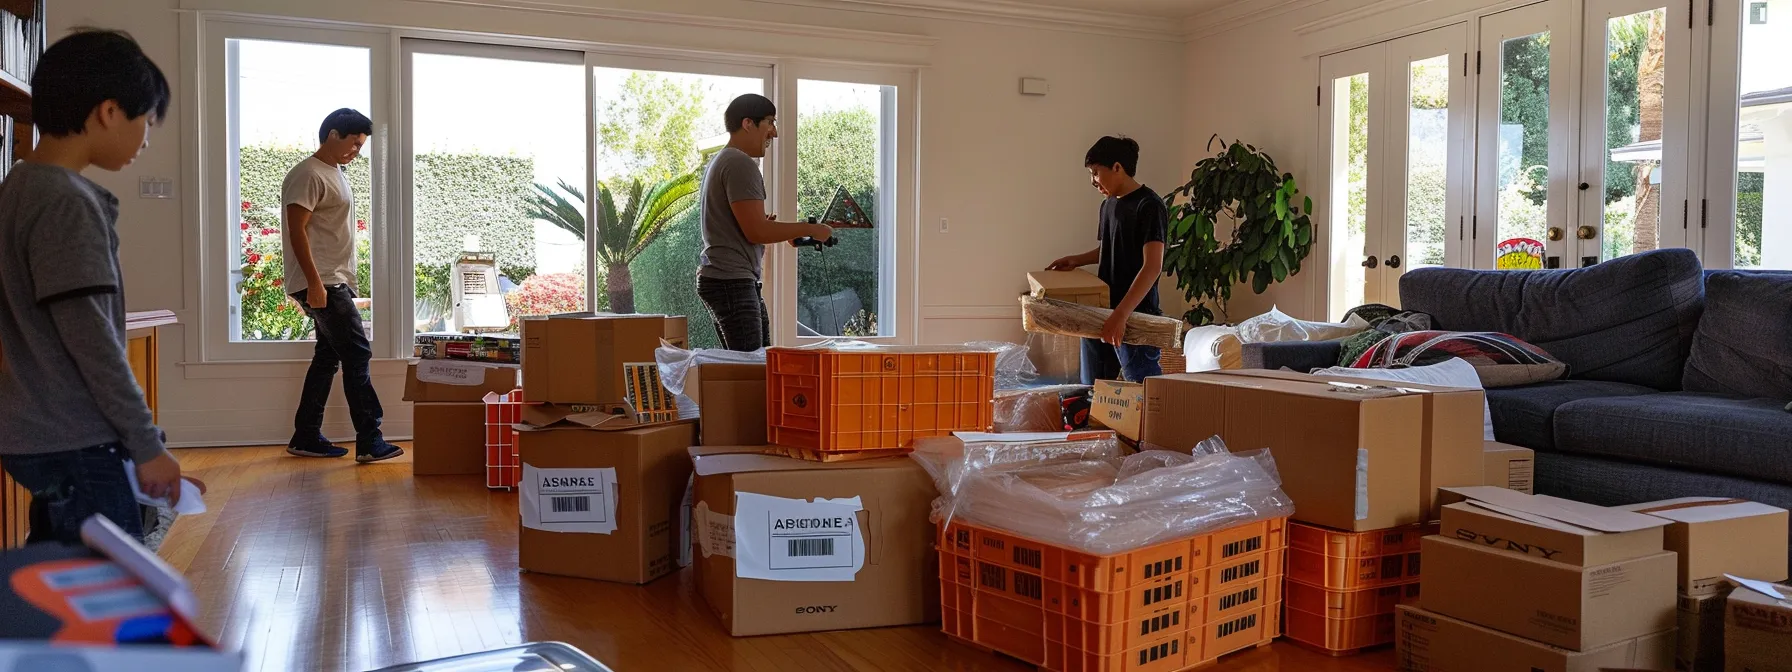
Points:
(1628, 320)
(1499, 359)
(1744, 342)
(1696, 431)
(1525, 415)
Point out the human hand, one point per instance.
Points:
(821, 232)
(1115, 329)
(160, 478)
(317, 297)
(1062, 264)
(771, 217)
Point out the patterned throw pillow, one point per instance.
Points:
(1500, 360)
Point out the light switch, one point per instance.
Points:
(155, 187)
(1034, 86)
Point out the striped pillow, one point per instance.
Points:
(1500, 360)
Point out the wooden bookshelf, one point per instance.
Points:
(15, 98)
(20, 137)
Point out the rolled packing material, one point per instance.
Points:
(1050, 316)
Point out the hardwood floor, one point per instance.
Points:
(325, 565)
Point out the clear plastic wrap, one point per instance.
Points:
(1033, 409)
(1014, 367)
(1276, 326)
(1088, 496)
(675, 363)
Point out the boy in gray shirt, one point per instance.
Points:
(736, 228)
(71, 413)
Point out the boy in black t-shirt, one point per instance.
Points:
(1131, 257)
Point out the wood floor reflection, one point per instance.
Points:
(324, 565)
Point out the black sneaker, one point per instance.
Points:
(379, 451)
(321, 447)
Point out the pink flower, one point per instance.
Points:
(361, 224)
(254, 258)
(269, 232)
(247, 206)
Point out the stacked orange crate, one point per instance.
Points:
(1343, 586)
(830, 404)
(1165, 608)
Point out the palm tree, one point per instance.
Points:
(621, 234)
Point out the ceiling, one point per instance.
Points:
(1158, 8)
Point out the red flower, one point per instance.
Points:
(245, 226)
(278, 282)
(254, 258)
(269, 232)
(246, 206)
(361, 224)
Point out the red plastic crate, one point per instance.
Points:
(502, 468)
(1348, 603)
(848, 400)
(1339, 636)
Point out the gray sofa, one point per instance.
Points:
(1678, 377)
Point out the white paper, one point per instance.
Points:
(1761, 587)
(191, 501)
(715, 531)
(568, 500)
(778, 539)
(1362, 484)
(452, 372)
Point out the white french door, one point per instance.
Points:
(1524, 147)
(1744, 215)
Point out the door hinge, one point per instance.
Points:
(1702, 204)
(1689, 13)
(1477, 62)
(1461, 227)
(1685, 208)
(1465, 59)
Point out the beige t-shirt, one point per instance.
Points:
(323, 189)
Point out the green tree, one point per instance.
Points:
(653, 125)
(1524, 101)
(838, 148)
(622, 234)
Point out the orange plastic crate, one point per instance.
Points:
(1109, 573)
(1233, 602)
(838, 400)
(1348, 603)
(1338, 544)
(1166, 654)
(1050, 597)
(502, 468)
(1341, 636)
(1315, 569)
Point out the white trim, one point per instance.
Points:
(1377, 9)
(1008, 13)
(1239, 13)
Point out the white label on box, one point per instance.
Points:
(568, 500)
(715, 531)
(1362, 484)
(778, 539)
(452, 372)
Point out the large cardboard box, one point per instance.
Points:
(1431, 642)
(1718, 535)
(602, 504)
(1701, 634)
(1573, 607)
(730, 403)
(447, 439)
(1349, 458)
(1758, 630)
(764, 522)
(578, 358)
(447, 380)
(1075, 286)
(1550, 528)
(1118, 406)
(1510, 467)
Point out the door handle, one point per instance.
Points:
(1393, 261)
(1371, 262)
(1586, 233)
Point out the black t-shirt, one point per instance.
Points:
(1127, 224)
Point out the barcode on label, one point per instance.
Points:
(571, 504)
(809, 548)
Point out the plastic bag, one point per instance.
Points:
(1014, 368)
(1086, 496)
(1276, 326)
(675, 363)
(1033, 409)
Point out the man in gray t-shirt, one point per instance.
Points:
(736, 228)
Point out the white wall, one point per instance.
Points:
(1003, 168)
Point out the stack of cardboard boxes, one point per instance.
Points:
(448, 413)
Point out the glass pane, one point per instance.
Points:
(843, 143)
(1764, 142)
(276, 103)
(498, 217)
(1523, 159)
(1635, 49)
(1427, 150)
(1350, 177)
(659, 128)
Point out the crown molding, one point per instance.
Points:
(668, 18)
(1010, 13)
(1350, 15)
(1232, 15)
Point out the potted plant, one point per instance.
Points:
(1240, 190)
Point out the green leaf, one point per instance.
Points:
(1281, 206)
(1308, 205)
(1259, 281)
(1280, 269)
(1303, 235)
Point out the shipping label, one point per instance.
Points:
(778, 539)
(451, 372)
(715, 531)
(568, 500)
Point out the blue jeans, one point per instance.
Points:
(738, 311)
(341, 344)
(1105, 362)
(69, 487)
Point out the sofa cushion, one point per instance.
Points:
(1628, 320)
(1744, 342)
(1697, 431)
(1499, 359)
(1525, 415)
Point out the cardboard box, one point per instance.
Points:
(578, 358)
(678, 332)
(1510, 467)
(1701, 637)
(1573, 607)
(447, 439)
(639, 473)
(1452, 447)
(730, 403)
(1431, 642)
(1075, 286)
(1718, 535)
(1350, 459)
(1546, 527)
(1118, 406)
(896, 584)
(1758, 631)
(472, 380)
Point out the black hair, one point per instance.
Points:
(89, 67)
(345, 122)
(1111, 150)
(749, 107)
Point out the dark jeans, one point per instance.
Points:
(1105, 362)
(69, 487)
(738, 311)
(341, 344)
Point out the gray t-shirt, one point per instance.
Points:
(323, 189)
(727, 255)
(66, 383)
